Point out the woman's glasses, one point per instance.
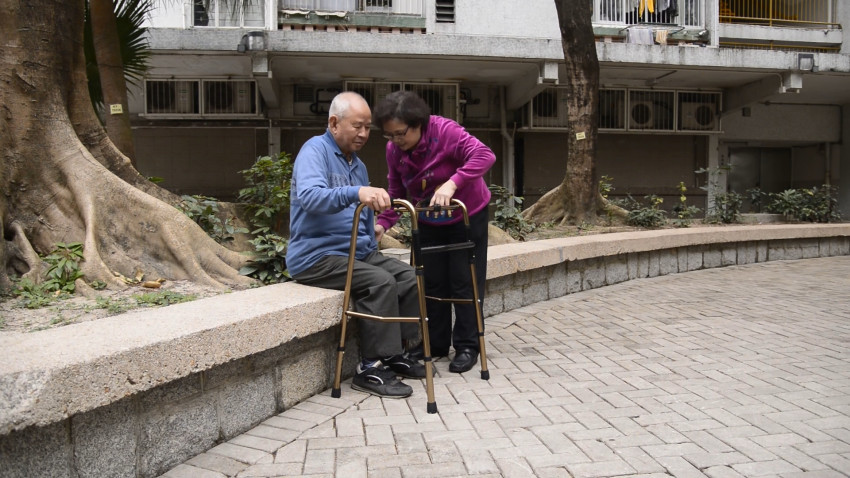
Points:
(396, 136)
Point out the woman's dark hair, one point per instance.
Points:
(405, 106)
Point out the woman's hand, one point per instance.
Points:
(379, 232)
(443, 195)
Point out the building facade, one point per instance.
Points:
(763, 87)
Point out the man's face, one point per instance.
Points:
(352, 130)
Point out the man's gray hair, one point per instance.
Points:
(341, 103)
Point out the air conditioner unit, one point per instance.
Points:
(372, 92)
(312, 101)
(244, 98)
(612, 110)
(441, 99)
(230, 98)
(641, 114)
(698, 117)
(170, 97)
(549, 109)
(383, 89)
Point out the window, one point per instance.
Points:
(228, 13)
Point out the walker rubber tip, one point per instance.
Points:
(336, 393)
(485, 375)
(432, 407)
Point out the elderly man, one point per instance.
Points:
(329, 181)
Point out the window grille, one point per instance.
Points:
(442, 98)
(651, 110)
(612, 109)
(201, 97)
(172, 97)
(230, 97)
(549, 109)
(699, 111)
(228, 13)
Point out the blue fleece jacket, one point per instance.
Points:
(323, 198)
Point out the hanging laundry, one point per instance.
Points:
(661, 37)
(639, 36)
(647, 6)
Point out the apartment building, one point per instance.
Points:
(763, 86)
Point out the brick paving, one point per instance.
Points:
(741, 371)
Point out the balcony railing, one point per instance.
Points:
(396, 7)
(687, 13)
(779, 12)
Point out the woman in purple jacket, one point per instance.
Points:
(435, 159)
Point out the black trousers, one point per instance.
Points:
(380, 285)
(447, 276)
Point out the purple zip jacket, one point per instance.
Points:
(445, 151)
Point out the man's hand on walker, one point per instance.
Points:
(375, 198)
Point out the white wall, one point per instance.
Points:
(526, 18)
(168, 14)
(785, 123)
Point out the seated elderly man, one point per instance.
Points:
(329, 181)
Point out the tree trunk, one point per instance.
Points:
(112, 83)
(56, 170)
(576, 199)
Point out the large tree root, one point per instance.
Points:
(123, 229)
(553, 207)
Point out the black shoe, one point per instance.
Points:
(464, 360)
(418, 353)
(405, 366)
(381, 382)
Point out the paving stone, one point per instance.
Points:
(240, 453)
(188, 471)
(221, 464)
(697, 374)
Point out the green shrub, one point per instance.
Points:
(268, 263)
(810, 205)
(684, 212)
(649, 215)
(267, 200)
(727, 205)
(726, 208)
(267, 195)
(508, 214)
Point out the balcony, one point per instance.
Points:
(780, 13)
(396, 16)
(798, 25)
(682, 13)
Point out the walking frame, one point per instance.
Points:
(417, 251)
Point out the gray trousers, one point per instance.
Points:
(381, 286)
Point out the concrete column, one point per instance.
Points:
(718, 155)
(843, 172)
(274, 141)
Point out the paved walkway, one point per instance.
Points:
(739, 371)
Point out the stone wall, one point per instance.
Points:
(136, 394)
